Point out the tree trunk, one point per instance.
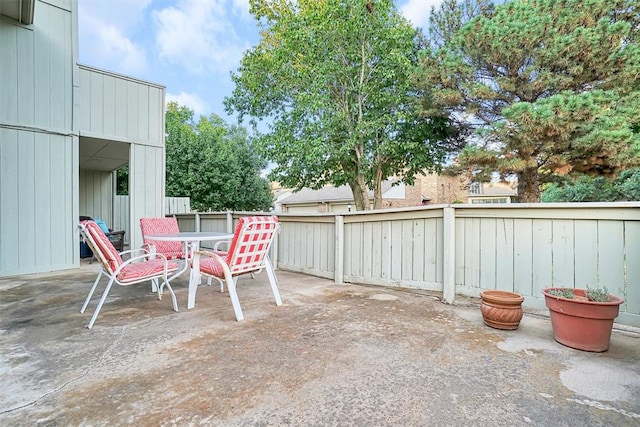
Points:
(377, 189)
(529, 186)
(360, 193)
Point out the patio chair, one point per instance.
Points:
(140, 267)
(166, 225)
(248, 254)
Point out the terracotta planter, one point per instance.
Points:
(501, 309)
(580, 323)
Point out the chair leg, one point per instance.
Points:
(231, 285)
(273, 280)
(93, 288)
(102, 300)
(154, 285)
(173, 295)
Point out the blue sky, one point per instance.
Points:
(189, 46)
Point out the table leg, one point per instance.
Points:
(194, 277)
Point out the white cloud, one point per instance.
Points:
(417, 11)
(199, 35)
(241, 8)
(191, 101)
(103, 39)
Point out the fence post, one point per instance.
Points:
(449, 255)
(339, 249)
(229, 222)
(197, 217)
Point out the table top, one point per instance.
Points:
(191, 236)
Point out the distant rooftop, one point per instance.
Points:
(328, 194)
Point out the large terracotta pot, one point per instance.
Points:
(501, 309)
(580, 323)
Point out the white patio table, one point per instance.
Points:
(190, 244)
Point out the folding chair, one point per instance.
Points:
(137, 269)
(248, 254)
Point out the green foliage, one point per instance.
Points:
(551, 86)
(213, 163)
(598, 294)
(333, 79)
(562, 292)
(625, 187)
(122, 181)
(592, 294)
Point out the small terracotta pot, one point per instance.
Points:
(501, 309)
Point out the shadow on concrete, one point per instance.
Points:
(330, 355)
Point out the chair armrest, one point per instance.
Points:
(131, 251)
(216, 247)
(140, 257)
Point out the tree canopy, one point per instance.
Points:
(213, 163)
(332, 79)
(552, 86)
(585, 188)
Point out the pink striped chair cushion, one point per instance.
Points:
(154, 267)
(167, 225)
(211, 266)
(108, 254)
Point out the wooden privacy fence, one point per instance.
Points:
(464, 249)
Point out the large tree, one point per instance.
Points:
(213, 163)
(331, 80)
(551, 85)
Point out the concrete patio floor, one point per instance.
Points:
(339, 355)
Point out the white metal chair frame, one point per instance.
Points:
(113, 274)
(252, 241)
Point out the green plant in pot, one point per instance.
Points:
(582, 318)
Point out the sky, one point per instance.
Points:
(189, 46)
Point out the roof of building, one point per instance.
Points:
(328, 193)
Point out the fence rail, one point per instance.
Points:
(464, 249)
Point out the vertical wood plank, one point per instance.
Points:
(505, 254)
(418, 251)
(9, 212)
(142, 123)
(610, 255)
(631, 289)
(25, 201)
(487, 250)
(562, 251)
(386, 255)
(60, 213)
(367, 248)
(42, 71)
(108, 105)
(132, 108)
(376, 249)
(472, 252)
(586, 253)
(439, 251)
(542, 255)
(59, 58)
(9, 69)
(460, 240)
(430, 254)
(356, 248)
(44, 165)
(25, 77)
(523, 257)
(396, 250)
